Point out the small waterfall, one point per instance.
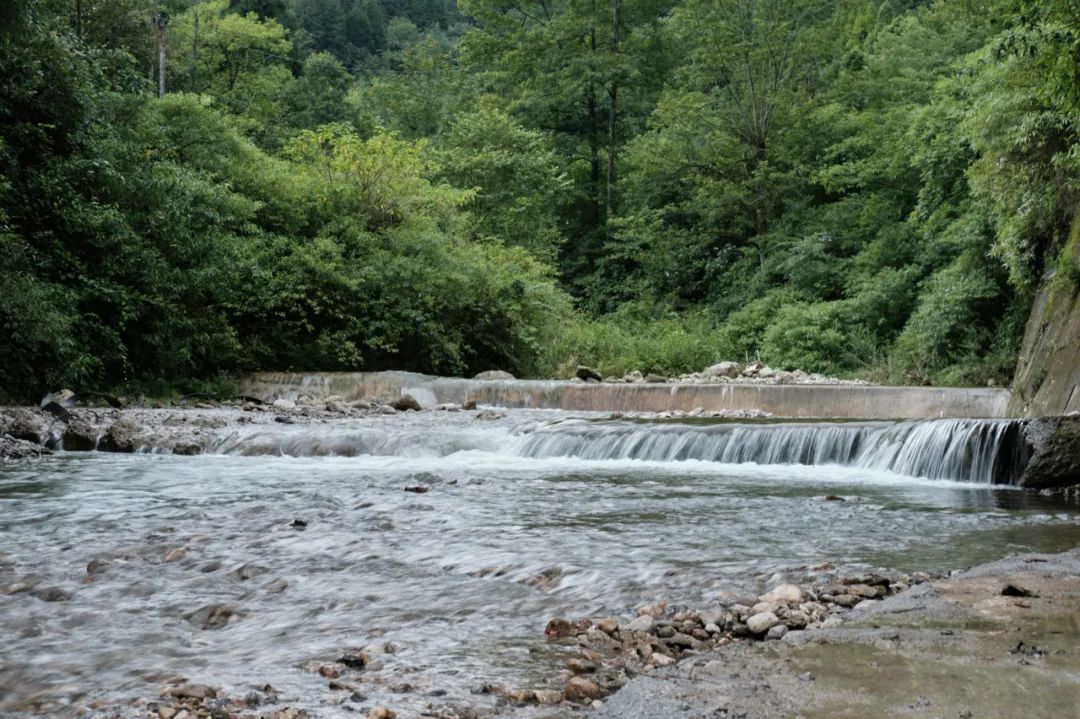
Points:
(983, 451)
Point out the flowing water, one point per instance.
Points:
(528, 517)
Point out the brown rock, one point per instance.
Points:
(582, 691)
(381, 713)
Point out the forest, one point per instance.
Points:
(868, 188)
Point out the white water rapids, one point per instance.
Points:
(962, 450)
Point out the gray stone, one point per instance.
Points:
(284, 404)
(723, 369)
(640, 624)
(777, 632)
(762, 622)
(121, 436)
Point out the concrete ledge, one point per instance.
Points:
(819, 401)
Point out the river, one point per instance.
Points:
(323, 550)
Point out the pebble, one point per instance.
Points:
(608, 626)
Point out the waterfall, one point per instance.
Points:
(984, 451)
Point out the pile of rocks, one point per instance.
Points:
(610, 651)
(183, 700)
(720, 373)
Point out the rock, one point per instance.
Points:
(776, 633)
(762, 622)
(1015, 590)
(418, 489)
(559, 628)
(406, 403)
(634, 376)
(329, 672)
(797, 620)
(489, 415)
(580, 690)
(723, 369)
(175, 555)
(385, 409)
(193, 691)
(96, 566)
(655, 378)
(752, 369)
(354, 660)
(469, 406)
(26, 427)
(283, 404)
(766, 373)
(641, 624)
(121, 436)
(587, 373)
(213, 616)
(608, 626)
(448, 407)
(577, 665)
(52, 594)
(80, 436)
(761, 608)
(661, 660)
(381, 713)
(247, 571)
(547, 697)
(494, 374)
(783, 594)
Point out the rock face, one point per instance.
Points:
(1047, 380)
(26, 426)
(1054, 446)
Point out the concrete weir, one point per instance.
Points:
(817, 401)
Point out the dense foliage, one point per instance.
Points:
(868, 187)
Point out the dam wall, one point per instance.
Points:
(795, 400)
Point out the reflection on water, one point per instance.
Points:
(462, 579)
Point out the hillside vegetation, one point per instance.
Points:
(862, 187)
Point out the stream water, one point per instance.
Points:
(528, 517)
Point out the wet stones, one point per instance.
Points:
(354, 660)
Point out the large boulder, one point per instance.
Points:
(724, 369)
(26, 426)
(121, 436)
(1053, 445)
(80, 436)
